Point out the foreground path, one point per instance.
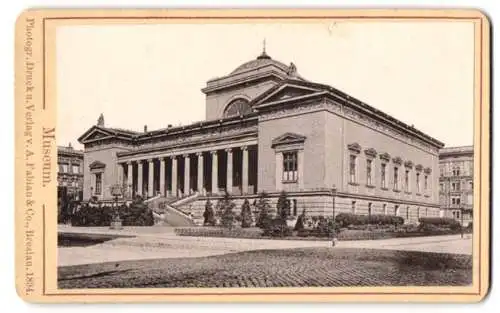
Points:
(161, 242)
(312, 267)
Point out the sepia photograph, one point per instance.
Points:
(263, 153)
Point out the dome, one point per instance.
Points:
(260, 61)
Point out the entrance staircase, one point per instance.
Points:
(166, 210)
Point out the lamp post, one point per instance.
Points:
(333, 217)
(461, 222)
(116, 192)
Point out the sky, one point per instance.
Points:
(152, 74)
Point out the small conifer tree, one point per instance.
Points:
(246, 215)
(227, 207)
(263, 207)
(209, 214)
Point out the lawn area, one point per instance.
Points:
(309, 267)
(344, 235)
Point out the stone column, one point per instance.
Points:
(300, 169)
(174, 176)
(244, 169)
(130, 177)
(162, 176)
(229, 180)
(200, 172)
(151, 177)
(119, 178)
(215, 172)
(279, 170)
(186, 173)
(139, 177)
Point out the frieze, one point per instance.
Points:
(290, 110)
(362, 118)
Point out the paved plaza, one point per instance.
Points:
(161, 242)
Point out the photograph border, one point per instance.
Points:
(37, 282)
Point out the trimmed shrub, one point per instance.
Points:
(299, 225)
(283, 206)
(246, 214)
(228, 215)
(440, 222)
(263, 207)
(277, 228)
(347, 219)
(209, 214)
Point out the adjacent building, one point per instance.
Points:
(456, 183)
(269, 129)
(70, 173)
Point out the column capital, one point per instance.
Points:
(150, 160)
(186, 155)
(199, 153)
(212, 152)
(129, 162)
(173, 157)
(244, 148)
(229, 150)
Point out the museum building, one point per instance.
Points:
(269, 129)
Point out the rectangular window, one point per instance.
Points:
(455, 200)
(369, 172)
(396, 210)
(385, 208)
(418, 182)
(352, 169)
(76, 169)
(426, 183)
(64, 168)
(353, 207)
(396, 178)
(290, 166)
(369, 209)
(455, 186)
(98, 183)
(382, 175)
(456, 171)
(407, 180)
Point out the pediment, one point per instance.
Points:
(95, 133)
(286, 91)
(288, 138)
(97, 165)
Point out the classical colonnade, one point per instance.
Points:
(145, 169)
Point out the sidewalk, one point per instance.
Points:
(161, 242)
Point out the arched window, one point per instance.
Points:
(238, 106)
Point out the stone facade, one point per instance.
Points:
(268, 129)
(70, 172)
(456, 182)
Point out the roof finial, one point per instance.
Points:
(100, 120)
(263, 55)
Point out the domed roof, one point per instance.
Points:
(261, 60)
